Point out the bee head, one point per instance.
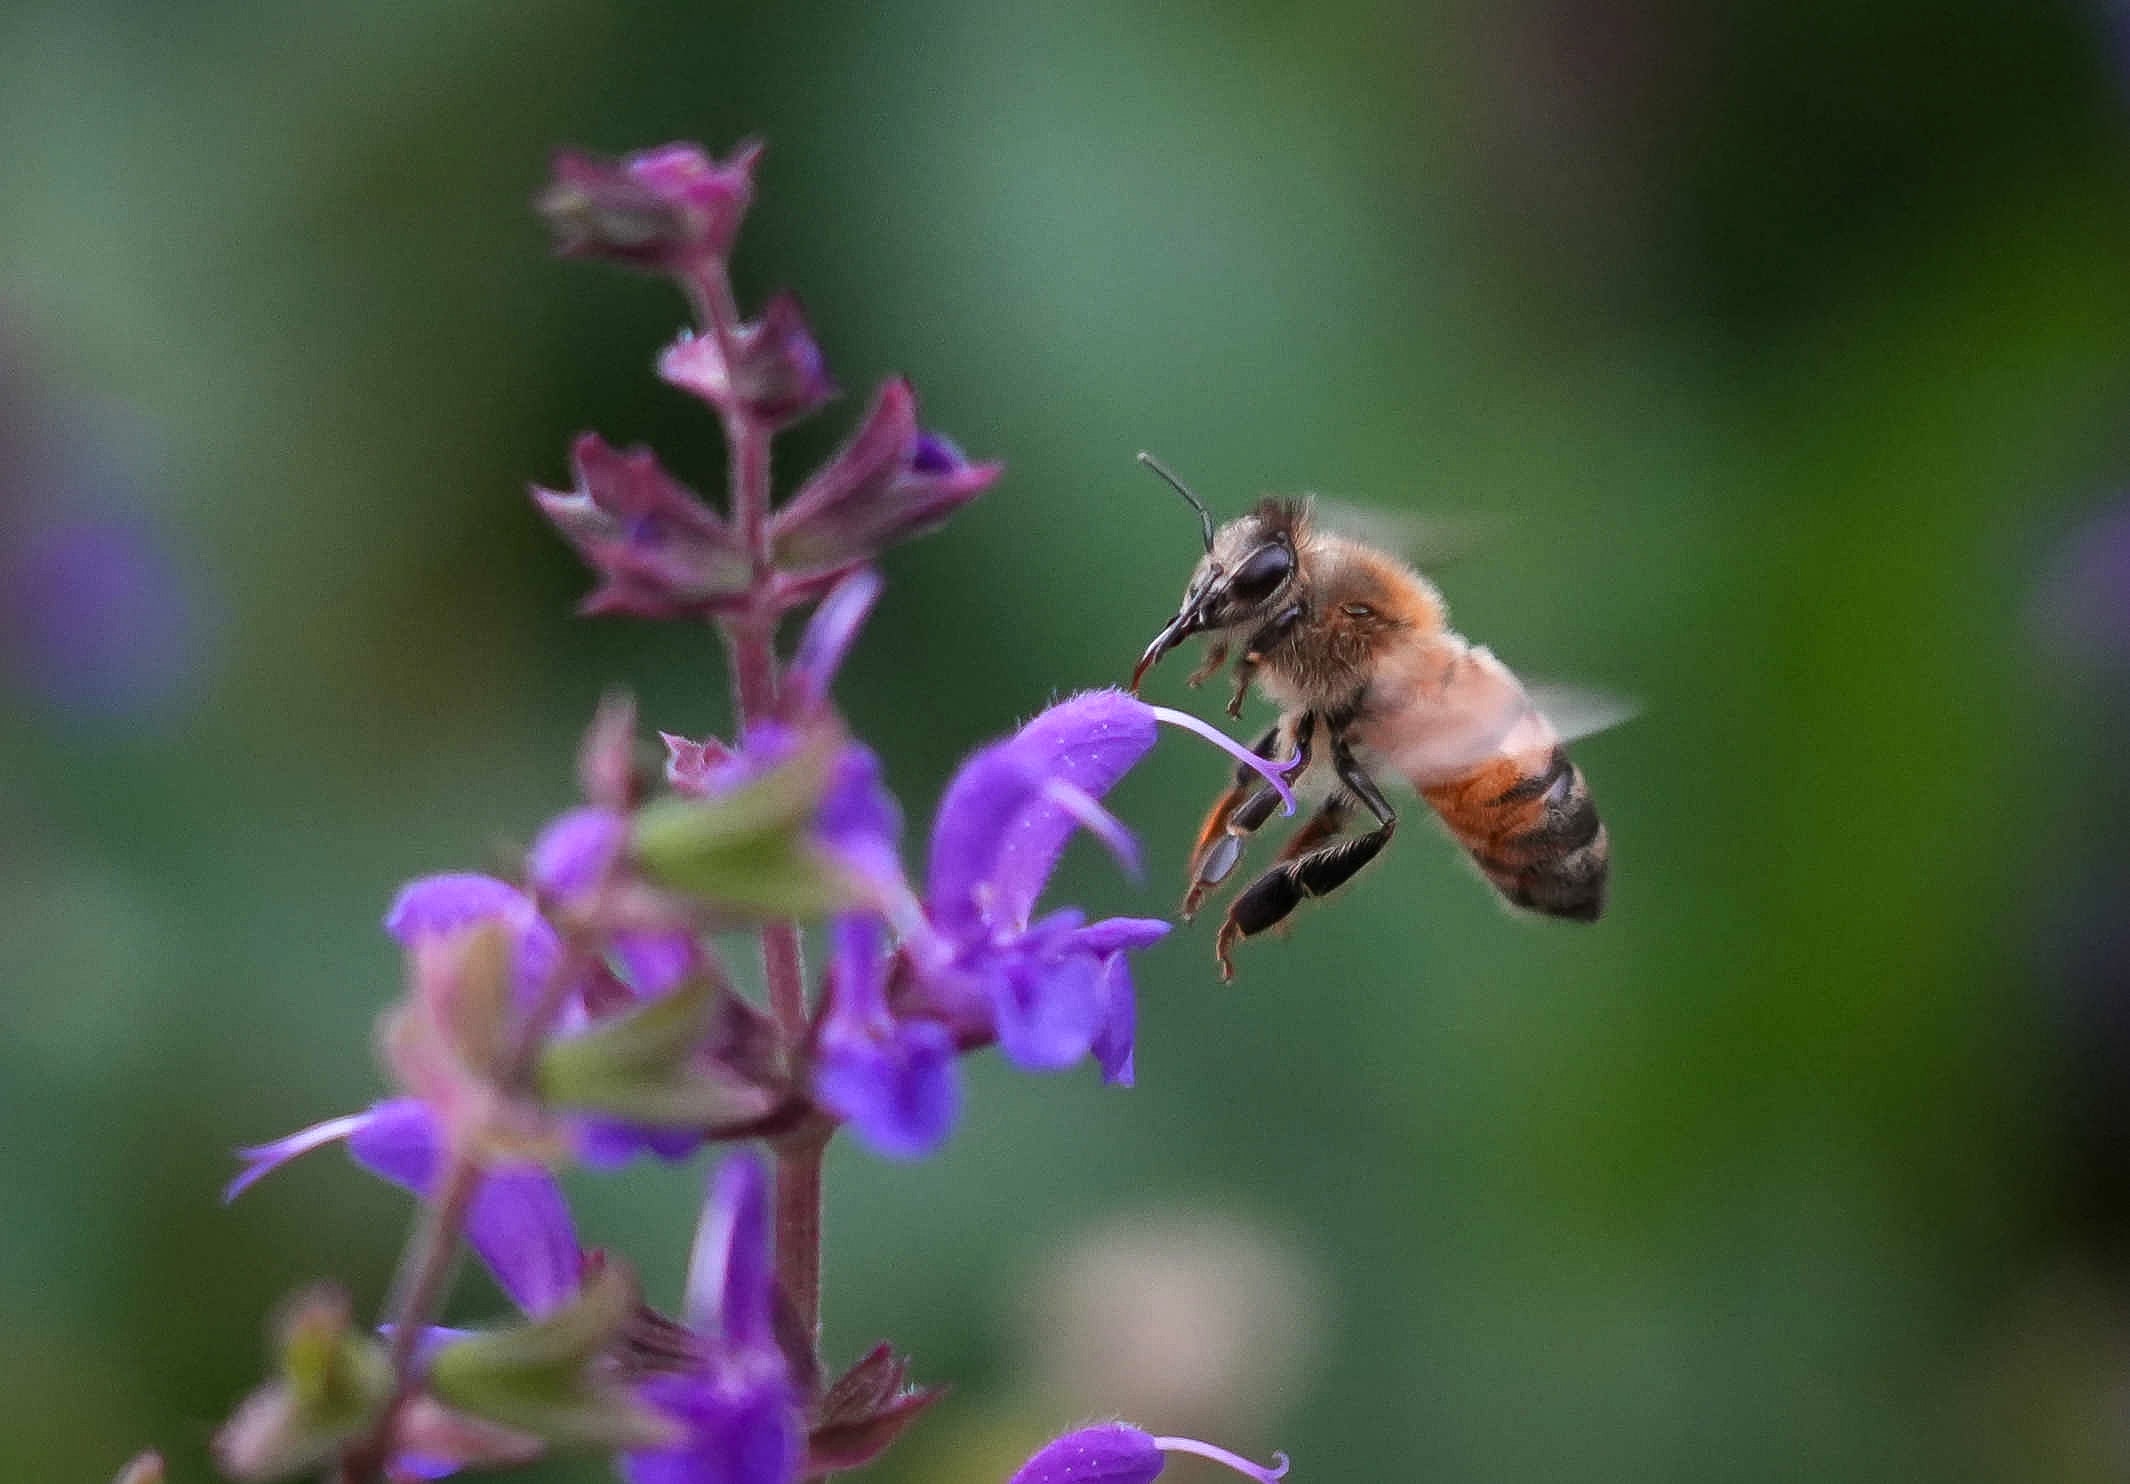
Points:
(1239, 582)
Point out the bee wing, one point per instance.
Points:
(1427, 541)
(1580, 710)
(1482, 714)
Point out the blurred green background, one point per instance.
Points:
(1779, 351)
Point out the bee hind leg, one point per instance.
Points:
(1308, 867)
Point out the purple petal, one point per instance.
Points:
(437, 905)
(652, 963)
(575, 854)
(398, 1142)
(1120, 1016)
(900, 1092)
(739, 1431)
(1089, 742)
(729, 1283)
(518, 1222)
(520, 1226)
(1080, 807)
(1111, 1454)
(1048, 1012)
(858, 944)
(993, 831)
(860, 824)
(828, 638)
(937, 455)
(980, 803)
(1116, 934)
(603, 1144)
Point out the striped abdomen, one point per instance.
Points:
(1529, 822)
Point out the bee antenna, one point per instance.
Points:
(1205, 516)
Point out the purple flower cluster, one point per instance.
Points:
(581, 1013)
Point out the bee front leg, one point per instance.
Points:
(1215, 658)
(1306, 868)
(1261, 644)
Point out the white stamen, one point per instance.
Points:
(1235, 1461)
(1271, 770)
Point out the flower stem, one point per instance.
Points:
(432, 1252)
(750, 639)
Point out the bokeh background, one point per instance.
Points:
(1772, 356)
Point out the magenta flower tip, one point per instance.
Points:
(770, 368)
(672, 209)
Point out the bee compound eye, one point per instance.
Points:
(1262, 571)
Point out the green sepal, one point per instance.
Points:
(747, 851)
(552, 1377)
(331, 1381)
(643, 1066)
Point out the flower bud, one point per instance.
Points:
(331, 1381)
(670, 210)
(774, 371)
(660, 552)
(890, 482)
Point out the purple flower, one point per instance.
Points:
(828, 638)
(671, 210)
(98, 617)
(1051, 989)
(976, 964)
(735, 1399)
(1118, 1453)
(577, 852)
(770, 369)
(518, 1222)
(890, 482)
(660, 552)
(437, 906)
(893, 1079)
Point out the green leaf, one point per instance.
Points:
(550, 1377)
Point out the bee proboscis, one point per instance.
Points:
(1356, 650)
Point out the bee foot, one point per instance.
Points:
(1223, 949)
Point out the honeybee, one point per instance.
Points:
(1356, 650)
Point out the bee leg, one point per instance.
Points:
(1306, 868)
(1260, 643)
(1215, 658)
(1239, 813)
